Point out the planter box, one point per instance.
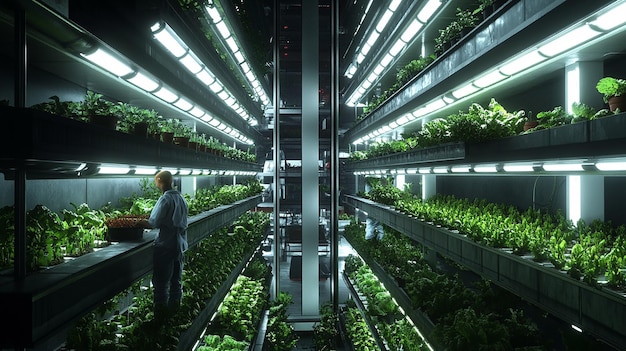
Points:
(124, 234)
(472, 256)
(607, 128)
(569, 134)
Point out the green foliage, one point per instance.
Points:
(280, 335)
(326, 332)
(609, 86)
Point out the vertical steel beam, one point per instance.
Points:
(310, 157)
(334, 153)
(21, 63)
(276, 150)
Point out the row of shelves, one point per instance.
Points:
(54, 145)
(587, 140)
(50, 300)
(517, 27)
(598, 311)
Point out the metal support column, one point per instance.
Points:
(310, 157)
(19, 255)
(276, 150)
(334, 153)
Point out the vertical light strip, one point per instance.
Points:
(572, 86)
(573, 198)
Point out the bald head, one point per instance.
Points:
(163, 180)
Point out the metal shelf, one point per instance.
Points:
(50, 300)
(598, 311)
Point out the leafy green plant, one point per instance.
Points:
(280, 335)
(609, 86)
(94, 104)
(358, 331)
(68, 109)
(326, 332)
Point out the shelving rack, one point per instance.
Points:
(43, 305)
(598, 311)
(517, 27)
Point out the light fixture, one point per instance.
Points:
(464, 91)
(411, 31)
(183, 104)
(145, 170)
(191, 63)
(518, 168)
(440, 170)
(113, 169)
(460, 169)
(144, 82)
(423, 170)
(522, 63)
(570, 39)
(611, 19)
(107, 61)
(166, 95)
(167, 37)
(490, 79)
(611, 165)
(485, 169)
(428, 10)
(562, 167)
(197, 112)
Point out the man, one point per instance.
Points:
(169, 215)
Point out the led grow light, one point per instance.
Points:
(107, 61)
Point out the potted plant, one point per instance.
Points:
(195, 140)
(612, 90)
(167, 130)
(99, 111)
(182, 133)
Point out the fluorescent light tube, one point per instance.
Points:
(216, 87)
(197, 112)
(145, 171)
(411, 31)
(206, 118)
(382, 23)
(213, 13)
(372, 38)
(611, 166)
(144, 82)
(108, 62)
(428, 10)
(460, 169)
(191, 63)
(223, 29)
(568, 40)
(521, 63)
(183, 104)
(386, 60)
(518, 168)
(113, 169)
(562, 167)
(170, 41)
(402, 120)
(424, 171)
(489, 79)
(397, 47)
(239, 57)
(485, 169)
(612, 19)
(465, 91)
(440, 170)
(166, 95)
(205, 77)
(232, 44)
